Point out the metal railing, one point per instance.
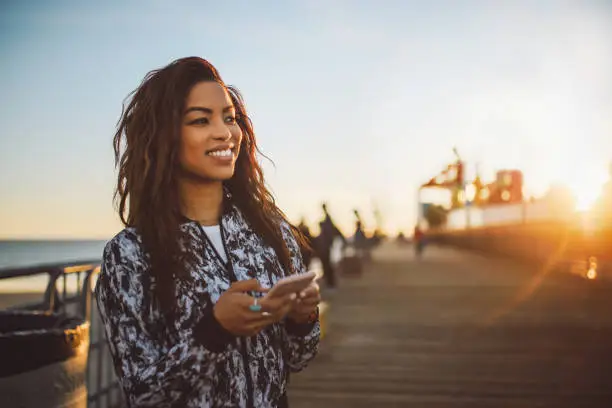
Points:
(74, 298)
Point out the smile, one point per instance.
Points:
(221, 153)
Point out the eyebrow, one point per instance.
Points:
(207, 110)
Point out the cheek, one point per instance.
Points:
(237, 138)
(236, 134)
(191, 147)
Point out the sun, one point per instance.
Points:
(585, 197)
(586, 189)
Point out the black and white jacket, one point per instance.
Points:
(198, 363)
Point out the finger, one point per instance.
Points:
(251, 285)
(270, 304)
(311, 295)
(267, 318)
(257, 317)
(248, 314)
(272, 308)
(273, 304)
(246, 311)
(313, 285)
(246, 301)
(309, 303)
(311, 290)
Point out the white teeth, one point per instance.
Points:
(221, 153)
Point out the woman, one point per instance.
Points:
(180, 289)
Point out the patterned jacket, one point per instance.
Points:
(199, 363)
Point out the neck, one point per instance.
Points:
(200, 201)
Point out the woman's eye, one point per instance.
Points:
(200, 121)
(230, 119)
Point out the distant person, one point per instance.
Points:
(401, 238)
(180, 289)
(307, 250)
(360, 240)
(325, 241)
(419, 241)
(376, 238)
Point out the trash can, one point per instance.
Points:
(43, 360)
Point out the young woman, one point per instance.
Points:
(181, 289)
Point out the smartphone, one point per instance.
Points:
(292, 284)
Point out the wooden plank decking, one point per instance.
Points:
(460, 330)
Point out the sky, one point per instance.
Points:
(356, 102)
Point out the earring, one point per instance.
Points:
(227, 193)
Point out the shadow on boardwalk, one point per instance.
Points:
(458, 330)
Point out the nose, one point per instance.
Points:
(222, 132)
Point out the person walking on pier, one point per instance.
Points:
(360, 240)
(419, 242)
(325, 241)
(181, 288)
(307, 250)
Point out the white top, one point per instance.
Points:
(214, 234)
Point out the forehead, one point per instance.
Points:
(208, 94)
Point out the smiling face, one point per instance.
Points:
(210, 135)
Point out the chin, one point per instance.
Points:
(208, 175)
(221, 175)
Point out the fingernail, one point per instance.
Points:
(302, 294)
(293, 296)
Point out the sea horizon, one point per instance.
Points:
(19, 253)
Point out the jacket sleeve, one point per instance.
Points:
(303, 343)
(149, 373)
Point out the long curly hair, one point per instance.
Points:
(146, 145)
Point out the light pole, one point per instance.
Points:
(420, 215)
(462, 185)
(456, 152)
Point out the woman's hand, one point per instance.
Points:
(276, 308)
(233, 309)
(305, 304)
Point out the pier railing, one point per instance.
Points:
(69, 291)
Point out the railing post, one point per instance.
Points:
(50, 298)
(85, 303)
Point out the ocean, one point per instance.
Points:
(28, 253)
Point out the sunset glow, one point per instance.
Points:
(587, 187)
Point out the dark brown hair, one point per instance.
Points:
(146, 146)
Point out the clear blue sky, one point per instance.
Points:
(354, 101)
